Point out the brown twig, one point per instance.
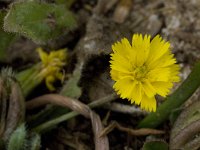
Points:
(135, 132)
(101, 143)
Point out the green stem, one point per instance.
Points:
(47, 125)
(186, 89)
(28, 79)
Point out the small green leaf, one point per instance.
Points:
(155, 145)
(17, 139)
(39, 21)
(71, 88)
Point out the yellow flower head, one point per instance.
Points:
(51, 68)
(143, 69)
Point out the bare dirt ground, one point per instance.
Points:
(100, 25)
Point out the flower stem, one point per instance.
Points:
(49, 124)
(186, 89)
(28, 79)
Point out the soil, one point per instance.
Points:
(100, 25)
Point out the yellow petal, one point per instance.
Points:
(164, 61)
(136, 95)
(148, 89)
(175, 69)
(158, 48)
(43, 55)
(49, 82)
(159, 74)
(60, 76)
(120, 63)
(124, 87)
(116, 75)
(58, 54)
(162, 88)
(123, 48)
(141, 46)
(148, 104)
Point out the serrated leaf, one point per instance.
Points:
(38, 21)
(5, 38)
(155, 145)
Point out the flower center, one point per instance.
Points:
(140, 72)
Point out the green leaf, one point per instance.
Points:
(39, 21)
(71, 88)
(17, 139)
(155, 145)
(174, 115)
(5, 38)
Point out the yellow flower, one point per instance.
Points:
(51, 68)
(143, 69)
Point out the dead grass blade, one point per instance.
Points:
(101, 142)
